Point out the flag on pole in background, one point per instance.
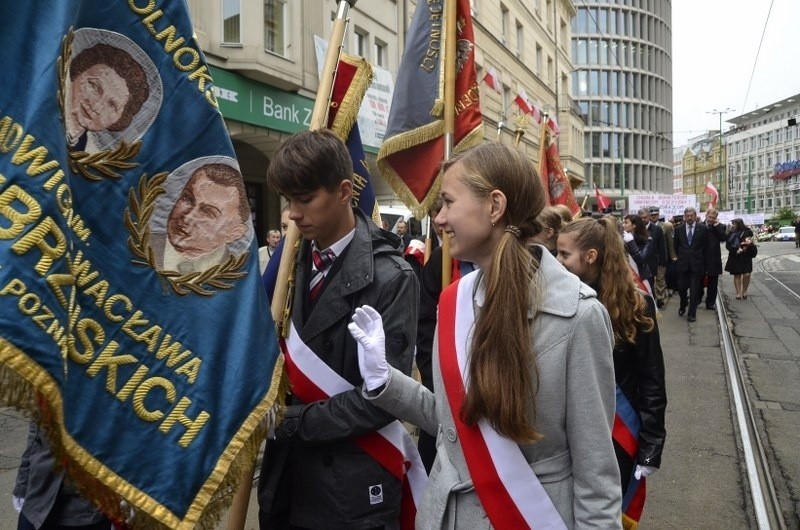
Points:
(492, 79)
(523, 103)
(553, 175)
(413, 149)
(603, 202)
(353, 77)
(138, 333)
(712, 190)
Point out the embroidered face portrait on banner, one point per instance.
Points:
(112, 91)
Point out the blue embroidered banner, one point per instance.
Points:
(131, 312)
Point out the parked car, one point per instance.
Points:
(784, 233)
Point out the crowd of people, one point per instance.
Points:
(545, 337)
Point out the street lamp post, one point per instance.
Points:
(723, 181)
(749, 183)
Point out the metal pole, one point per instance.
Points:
(723, 159)
(749, 182)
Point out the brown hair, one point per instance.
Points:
(626, 306)
(564, 212)
(639, 228)
(550, 217)
(225, 175)
(501, 389)
(126, 67)
(308, 160)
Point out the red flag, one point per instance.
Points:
(603, 202)
(712, 190)
(553, 175)
(522, 102)
(537, 115)
(492, 79)
(412, 152)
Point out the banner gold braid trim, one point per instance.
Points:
(347, 113)
(413, 138)
(19, 380)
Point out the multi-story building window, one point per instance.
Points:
(380, 50)
(538, 60)
(622, 51)
(360, 39)
(231, 21)
(520, 41)
(503, 23)
(275, 26)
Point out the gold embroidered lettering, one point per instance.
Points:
(38, 237)
(11, 133)
(107, 359)
(190, 369)
(109, 307)
(19, 220)
(193, 426)
(35, 157)
(141, 393)
(83, 330)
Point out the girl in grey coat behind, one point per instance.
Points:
(540, 369)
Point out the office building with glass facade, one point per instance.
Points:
(622, 53)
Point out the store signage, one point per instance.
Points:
(251, 102)
(787, 169)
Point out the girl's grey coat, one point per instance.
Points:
(575, 403)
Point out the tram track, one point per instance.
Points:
(764, 498)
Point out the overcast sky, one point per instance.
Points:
(714, 47)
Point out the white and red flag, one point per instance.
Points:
(492, 79)
(522, 102)
(712, 190)
(603, 202)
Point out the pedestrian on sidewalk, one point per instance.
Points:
(592, 250)
(691, 248)
(717, 234)
(740, 256)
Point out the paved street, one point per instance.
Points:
(702, 482)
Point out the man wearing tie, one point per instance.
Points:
(317, 471)
(691, 247)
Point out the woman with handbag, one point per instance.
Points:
(741, 251)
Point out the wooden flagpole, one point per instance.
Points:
(282, 299)
(450, 49)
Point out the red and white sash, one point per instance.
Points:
(392, 447)
(507, 487)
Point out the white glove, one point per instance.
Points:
(644, 471)
(17, 502)
(627, 237)
(367, 329)
(127, 511)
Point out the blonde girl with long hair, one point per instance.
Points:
(523, 378)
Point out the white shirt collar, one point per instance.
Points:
(340, 245)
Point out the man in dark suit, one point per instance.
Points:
(717, 233)
(691, 247)
(402, 231)
(658, 260)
